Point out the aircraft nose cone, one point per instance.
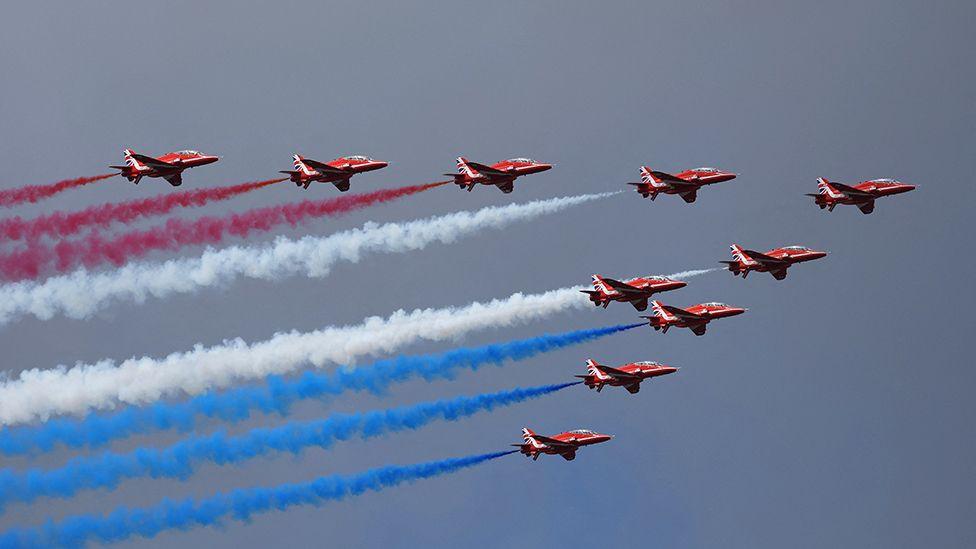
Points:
(380, 164)
(544, 167)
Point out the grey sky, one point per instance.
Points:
(836, 412)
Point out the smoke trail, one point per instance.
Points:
(62, 224)
(241, 504)
(277, 395)
(181, 459)
(81, 293)
(36, 193)
(38, 394)
(94, 249)
(694, 272)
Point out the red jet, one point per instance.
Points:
(774, 262)
(337, 171)
(563, 444)
(170, 166)
(861, 195)
(501, 175)
(685, 184)
(636, 290)
(696, 317)
(628, 376)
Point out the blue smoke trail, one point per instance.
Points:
(108, 469)
(242, 504)
(277, 394)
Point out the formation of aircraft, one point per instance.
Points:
(628, 376)
(169, 166)
(338, 171)
(635, 291)
(501, 174)
(564, 444)
(684, 184)
(861, 195)
(774, 262)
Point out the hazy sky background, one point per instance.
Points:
(837, 412)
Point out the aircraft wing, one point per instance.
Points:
(487, 171)
(622, 287)
(175, 180)
(765, 259)
(324, 168)
(664, 176)
(614, 372)
(154, 163)
(683, 314)
(506, 186)
(555, 444)
(850, 191)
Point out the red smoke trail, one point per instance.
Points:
(34, 193)
(64, 224)
(94, 249)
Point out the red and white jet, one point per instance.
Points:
(695, 318)
(628, 376)
(170, 166)
(337, 171)
(636, 291)
(684, 184)
(774, 262)
(563, 444)
(861, 195)
(501, 175)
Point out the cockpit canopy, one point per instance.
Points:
(706, 170)
(883, 180)
(582, 432)
(657, 278)
(521, 161)
(189, 152)
(359, 157)
(797, 248)
(715, 304)
(647, 363)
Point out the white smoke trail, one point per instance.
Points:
(39, 394)
(81, 293)
(693, 272)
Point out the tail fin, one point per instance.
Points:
(130, 160)
(647, 176)
(827, 189)
(602, 286)
(300, 164)
(528, 435)
(591, 368)
(465, 169)
(741, 256)
(660, 312)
